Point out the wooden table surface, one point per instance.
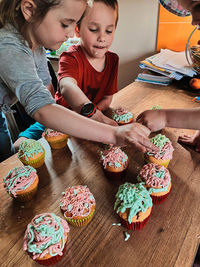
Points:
(171, 236)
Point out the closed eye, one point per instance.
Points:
(64, 25)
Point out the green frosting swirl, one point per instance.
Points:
(159, 140)
(29, 148)
(134, 197)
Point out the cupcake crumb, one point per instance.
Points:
(127, 236)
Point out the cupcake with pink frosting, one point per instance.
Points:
(55, 139)
(157, 180)
(165, 154)
(45, 238)
(122, 116)
(78, 205)
(115, 162)
(21, 183)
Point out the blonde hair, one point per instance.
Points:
(10, 12)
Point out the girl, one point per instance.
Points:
(26, 27)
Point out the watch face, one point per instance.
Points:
(88, 109)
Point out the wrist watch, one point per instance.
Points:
(88, 109)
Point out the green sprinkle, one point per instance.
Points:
(127, 236)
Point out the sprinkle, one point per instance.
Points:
(69, 207)
(127, 236)
(63, 193)
(118, 224)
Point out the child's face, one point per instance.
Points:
(194, 7)
(58, 24)
(97, 29)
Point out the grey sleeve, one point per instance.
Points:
(41, 66)
(19, 74)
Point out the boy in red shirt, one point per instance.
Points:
(88, 72)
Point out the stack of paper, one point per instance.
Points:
(167, 63)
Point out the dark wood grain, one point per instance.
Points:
(169, 239)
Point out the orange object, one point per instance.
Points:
(173, 31)
(195, 83)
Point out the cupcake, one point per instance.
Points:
(133, 205)
(21, 183)
(78, 205)
(45, 238)
(31, 152)
(115, 163)
(162, 157)
(157, 181)
(55, 139)
(122, 116)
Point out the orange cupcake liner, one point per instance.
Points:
(160, 199)
(26, 196)
(81, 222)
(52, 260)
(35, 163)
(136, 225)
(58, 144)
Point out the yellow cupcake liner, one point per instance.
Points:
(80, 222)
(164, 163)
(35, 163)
(26, 196)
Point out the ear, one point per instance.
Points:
(77, 32)
(28, 9)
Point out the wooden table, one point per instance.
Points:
(171, 236)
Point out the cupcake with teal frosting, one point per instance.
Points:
(133, 205)
(21, 183)
(122, 116)
(164, 155)
(114, 162)
(45, 238)
(157, 180)
(32, 153)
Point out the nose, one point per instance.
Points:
(101, 37)
(70, 33)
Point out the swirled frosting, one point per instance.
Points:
(77, 201)
(29, 148)
(45, 234)
(132, 198)
(50, 133)
(114, 156)
(165, 145)
(155, 176)
(19, 179)
(122, 114)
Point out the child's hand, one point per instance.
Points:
(155, 120)
(99, 116)
(18, 142)
(136, 135)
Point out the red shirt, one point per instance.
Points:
(94, 84)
